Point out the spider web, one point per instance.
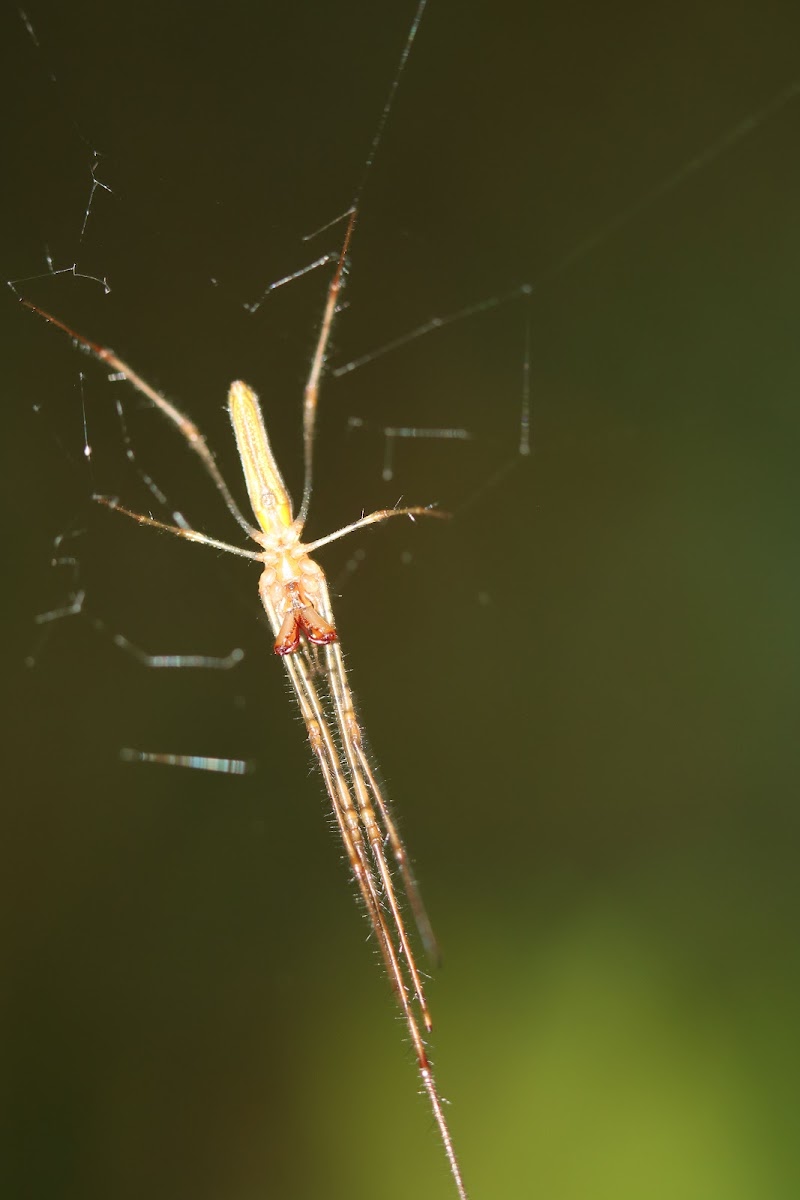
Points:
(603, 642)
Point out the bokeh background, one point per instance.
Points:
(583, 692)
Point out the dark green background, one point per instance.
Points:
(583, 692)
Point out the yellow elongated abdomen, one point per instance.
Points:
(269, 499)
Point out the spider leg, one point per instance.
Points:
(191, 535)
(381, 514)
(187, 429)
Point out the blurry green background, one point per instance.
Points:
(583, 692)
